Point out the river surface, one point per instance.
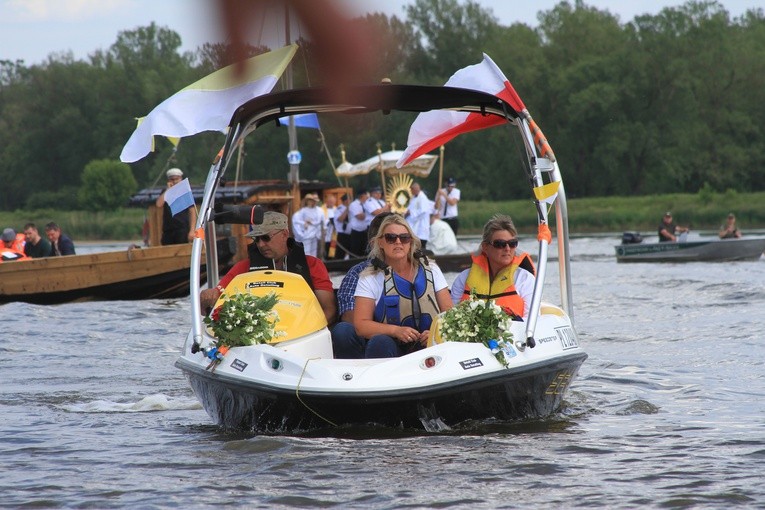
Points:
(668, 411)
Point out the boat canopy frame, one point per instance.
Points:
(373, 99)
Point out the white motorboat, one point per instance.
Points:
(294, 383)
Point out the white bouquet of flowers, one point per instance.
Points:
(244, 319)
(478, 320)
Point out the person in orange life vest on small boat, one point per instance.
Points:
(12, 246)
(500, 271)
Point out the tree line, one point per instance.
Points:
(671, 102)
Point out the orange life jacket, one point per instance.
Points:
(502, 289)
(8, 254)
(16, 244)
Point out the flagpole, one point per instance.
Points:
(294, 175)
(382, 170)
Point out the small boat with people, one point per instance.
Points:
(284, 377)
(135, 272)
(689, 248)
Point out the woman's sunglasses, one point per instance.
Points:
(500, 243)
(404, 238)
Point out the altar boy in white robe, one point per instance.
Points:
(307, 224)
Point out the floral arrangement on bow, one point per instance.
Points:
(244, 319)
(478, 320)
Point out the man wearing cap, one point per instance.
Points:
(446, 203)
(359, 223)
(11, 246)
(36, 246)
(729, 230)
(60, 243)
(307, 223)
(375, 205)
(275, 249)
(178, 229)
(667, 230)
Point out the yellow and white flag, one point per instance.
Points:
(172, 139)
(547, 193)
(208, 104)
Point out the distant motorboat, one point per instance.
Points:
(633, 249)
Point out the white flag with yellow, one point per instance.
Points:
(208, 104)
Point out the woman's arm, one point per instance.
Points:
(444, 299)
(366, 326)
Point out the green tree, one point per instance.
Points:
(454, 36)
(106, 185)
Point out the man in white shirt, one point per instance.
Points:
(376, 204)
(418, 214)
(359, 223)
(342, 223)
(329, 209)
(446, 203)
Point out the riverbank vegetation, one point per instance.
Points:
(701, 211)
(666, 101)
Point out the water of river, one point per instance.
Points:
(668, 412)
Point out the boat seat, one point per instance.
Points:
(548, 309)
(299, 312)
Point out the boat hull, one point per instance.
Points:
(717, 250)
(297, 386)
(135, 273)
(531, 392)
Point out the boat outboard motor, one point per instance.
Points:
(632, 238)
(238, 214)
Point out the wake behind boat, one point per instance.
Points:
(293, 382)
(692, 250)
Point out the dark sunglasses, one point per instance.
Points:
(265, 238)
(500, 243)
(391, 238)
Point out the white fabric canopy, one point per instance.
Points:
(420, 166)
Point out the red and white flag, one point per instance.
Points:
(435, 128)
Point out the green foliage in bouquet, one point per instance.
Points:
(478, 320)
(244, 319)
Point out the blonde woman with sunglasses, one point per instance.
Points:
(500, 271)
(397, 297)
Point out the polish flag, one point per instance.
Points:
(434, 128)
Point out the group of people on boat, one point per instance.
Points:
(386, 305)
(669, 232)
(335, 231)
(29, 244)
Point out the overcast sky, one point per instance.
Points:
(30, 30)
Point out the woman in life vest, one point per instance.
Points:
(397, 297)
(500, 271)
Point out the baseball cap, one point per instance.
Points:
(272, 220)
(9, 235)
